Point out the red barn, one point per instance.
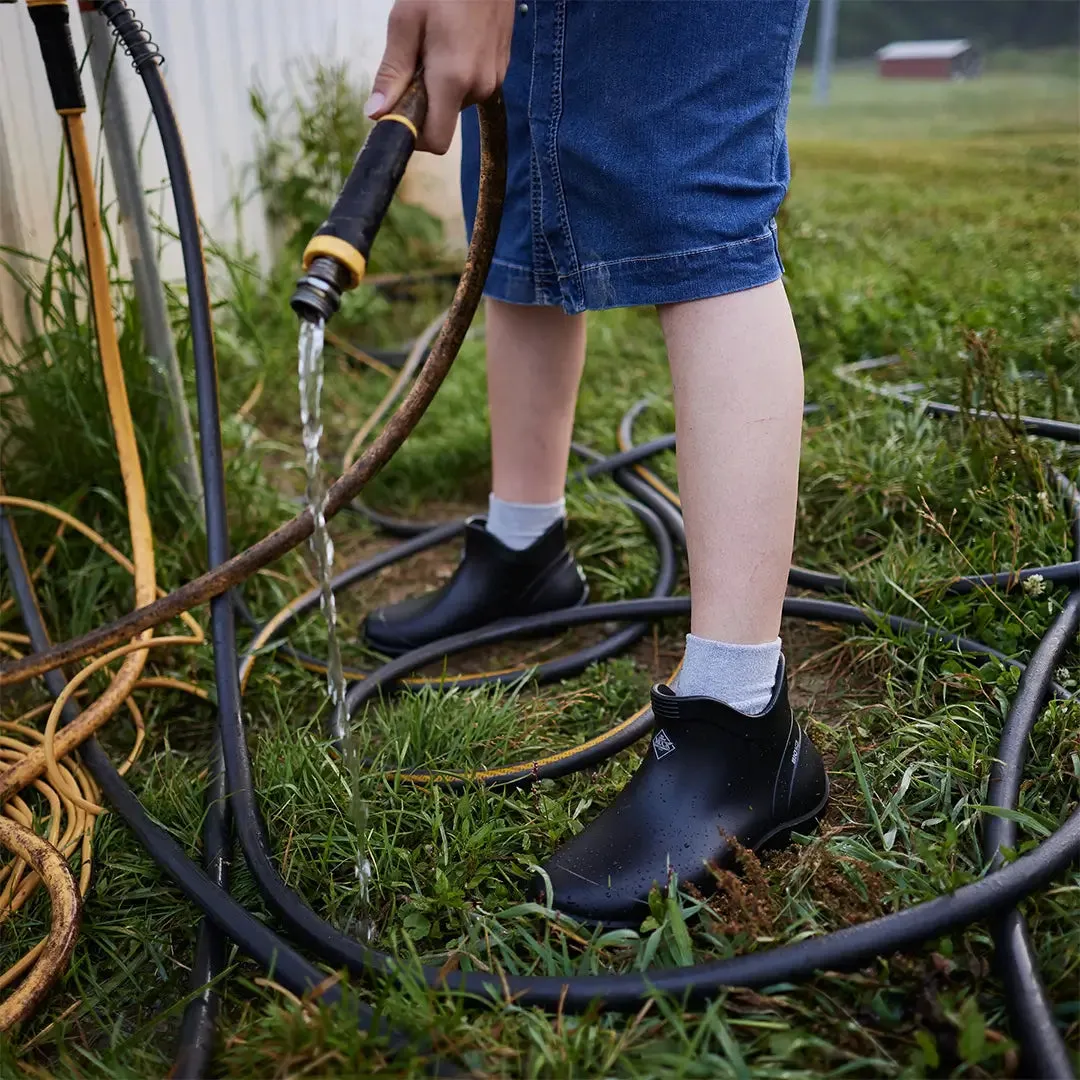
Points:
(954, 59)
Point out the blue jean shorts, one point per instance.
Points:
(647, 150)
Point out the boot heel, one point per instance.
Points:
(782, 837)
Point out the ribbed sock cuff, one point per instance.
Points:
(520, 525)
(741, 676)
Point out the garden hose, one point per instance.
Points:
(600, 747)
(1059, 430)
(53, 956)
(335, 258)
(994, 895)
(25, 760)
(250, 934)
(294, 532)
(413, 361)
(564, 667)
(1064, 573)
(51, 23)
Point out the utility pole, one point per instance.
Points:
(825, 51)
(149, 292)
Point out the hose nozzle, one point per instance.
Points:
(318, 292)
(336, 256)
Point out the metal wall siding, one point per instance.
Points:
(215, 51)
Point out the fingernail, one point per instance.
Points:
(374, 103)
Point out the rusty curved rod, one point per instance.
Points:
(351, 483)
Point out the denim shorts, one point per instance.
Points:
(648, 153)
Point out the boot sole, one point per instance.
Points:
(777, 838)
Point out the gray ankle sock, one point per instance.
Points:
(520, 525)
(741, 676)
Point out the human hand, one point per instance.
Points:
(464, 47)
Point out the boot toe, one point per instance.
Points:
(379, 634)
(398, 628)
(615, 901)
(607, 883)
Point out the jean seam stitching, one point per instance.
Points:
(784, 90)
(631, 259)
(553, 145)
(536, 190)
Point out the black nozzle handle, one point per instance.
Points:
(50, 18)
(349, 230)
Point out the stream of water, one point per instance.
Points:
(310, 370)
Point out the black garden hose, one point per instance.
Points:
(841, 950)
(196, 1040)
(564, 667)
(1045, 1054)
(252, 936)
(993, 896)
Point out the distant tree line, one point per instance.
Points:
(866, 25)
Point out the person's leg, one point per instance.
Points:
(517, 561)
(738, 383)
(535, 356)
(727, 759)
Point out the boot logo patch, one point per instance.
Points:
(662, 744)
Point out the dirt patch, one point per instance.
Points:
(660, 650)
(749, 898)
(824, 678)
(744, 902)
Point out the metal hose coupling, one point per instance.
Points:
(336, 256)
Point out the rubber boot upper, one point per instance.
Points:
(710, 774)
(491, 582)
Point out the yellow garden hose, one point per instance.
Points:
(70, 792)
(26, 753)
(31, 765)
(52, 955)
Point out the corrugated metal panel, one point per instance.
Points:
(215, 51)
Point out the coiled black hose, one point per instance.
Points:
(993, 895)
(195, 1046)
(1029, 1008)
(563, 667)
(1045, 1054)
(200, 1017)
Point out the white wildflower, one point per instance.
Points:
(1035, 585)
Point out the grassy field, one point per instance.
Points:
(934, 221)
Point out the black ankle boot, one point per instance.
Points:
(710, 774)
(492, 582)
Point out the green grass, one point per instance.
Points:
(948, 238)
(863, 105)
